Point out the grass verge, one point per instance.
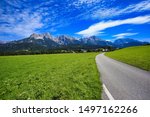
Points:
(138, 56)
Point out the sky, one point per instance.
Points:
(107, 19)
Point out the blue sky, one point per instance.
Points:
(107, 19)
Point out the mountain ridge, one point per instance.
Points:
(46, 41)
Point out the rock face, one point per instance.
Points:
(60, 40)
(66, 40)
(41, 36)
(93, 40)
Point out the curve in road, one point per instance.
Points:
(124, 82)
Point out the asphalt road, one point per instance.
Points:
(122, 81)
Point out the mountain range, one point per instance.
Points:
(36, 42)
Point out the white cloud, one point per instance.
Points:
(16, 3)
(123, 35)
(98, 27)
(111, 12)
(21, 24)
(79, 3)
(142, 6)
(105, 13)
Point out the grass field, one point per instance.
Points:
(55, 76)
(137, 56)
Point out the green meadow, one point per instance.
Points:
(138, 56)
(50, 77)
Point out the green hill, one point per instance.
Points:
(138, 56)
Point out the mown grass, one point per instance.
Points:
(54, 77)
(138, 56)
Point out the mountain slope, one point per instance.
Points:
(127, 42)
(93, 40)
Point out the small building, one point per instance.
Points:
(83, 50)
(105, 50)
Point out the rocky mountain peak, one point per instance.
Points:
(47, 35)
(36, 36)
(40, 36)
(65, 40)
(93, 37)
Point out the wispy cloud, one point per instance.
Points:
(116, 11)
(79, 3)
(23, 17)
(98, 27)
(21, 24)
(17, 3)
(123, 35)
(142, 6)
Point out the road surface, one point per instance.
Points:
(122, 81)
